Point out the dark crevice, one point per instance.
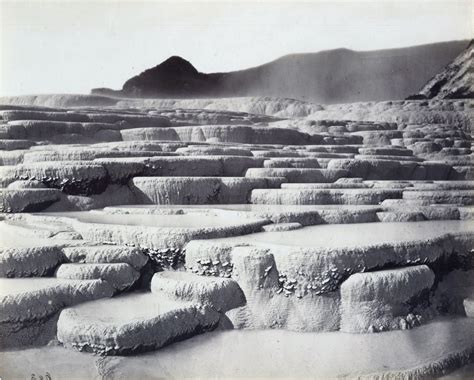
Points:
(159, 260)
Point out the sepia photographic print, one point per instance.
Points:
(236, 190)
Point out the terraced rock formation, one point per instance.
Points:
(128, 226)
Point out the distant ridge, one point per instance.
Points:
(333, 76)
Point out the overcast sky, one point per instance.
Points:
(71, 47)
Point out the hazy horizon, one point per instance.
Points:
(72, 47)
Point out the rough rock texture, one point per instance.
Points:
(68, 176)
(282, 227)
(214, 151)
(455, 81)
(106, 254)
(220, 293)
(27, 200)
(401, 216)
(15, 144)
(379, 300)
(323, 196)
(132, 323)
(325, 261)
(464, 197)
(287, 162)
(27, 304)
(272, 298)
(113, 195)
(120, 275)
(298, 175)
(376, 169)
(198, 190)
(33, 261)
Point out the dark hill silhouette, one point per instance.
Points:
(173, 77)
(333, 76)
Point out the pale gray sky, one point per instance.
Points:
(71, 47)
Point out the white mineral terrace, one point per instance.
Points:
(246, 237)
(361, 234)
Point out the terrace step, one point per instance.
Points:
(297, 175)
(222, 294)
(282, 227)
(363, 157)
(105, 254)
(212, 150)
(410, 210)
(28, 304)
(15, 144)
(68, 153)
(35, 260)
(378, 169)
(27, 200)
(463, 197)
(386, 151)
(315, 196)
(70, 176)
(302, 214)
(283, 274)
(198, 190)
(132, 323)
(311, 163)
(333, 185)
(379, 300)
(60, 130)
(165, 234)
(119, 275)
(222, 133)
(400, 216)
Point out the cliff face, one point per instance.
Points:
(334, 76)
(455, 81)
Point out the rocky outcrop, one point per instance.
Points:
(455, 81)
